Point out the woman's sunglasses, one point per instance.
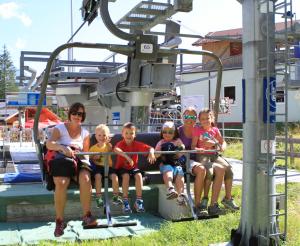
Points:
(168, 132)
(80, 114)
(191, 117)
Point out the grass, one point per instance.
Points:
(204, 232)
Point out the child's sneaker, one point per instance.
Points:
(100, 202)
(89, 220)
(171, 194)
(126, 207)
(230, 204)
(181, 200)
(117, 200)
(59, 227)
(203, 203)
(200, 212)
(139, 206)
(214, 209)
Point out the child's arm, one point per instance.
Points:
(180, 146)
(109, 149)
(151, 157)
(221, 142)
(194, 144)
(120, 152)
(158, 148)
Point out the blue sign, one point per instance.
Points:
(26, 99)
(272, 100)
(116, 116)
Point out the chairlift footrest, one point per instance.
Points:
(99, 226)
(199, 218)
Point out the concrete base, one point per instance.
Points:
(32, 202)
(169, 209)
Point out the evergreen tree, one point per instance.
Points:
(7, 74)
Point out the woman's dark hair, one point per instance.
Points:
(74, 109)
(210, 112)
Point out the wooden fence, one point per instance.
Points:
(291, 148)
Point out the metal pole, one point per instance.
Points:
(70, 50)
(258, 66)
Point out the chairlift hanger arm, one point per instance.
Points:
(111, 26)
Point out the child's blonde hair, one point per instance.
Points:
(104, 128)
(210, 112)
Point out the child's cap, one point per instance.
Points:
(169, 124)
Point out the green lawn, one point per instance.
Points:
(235, 150)
(206, 232)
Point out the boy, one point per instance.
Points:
(127, 165)
(103, 145)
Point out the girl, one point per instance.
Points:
(208, 137)
(170, 165)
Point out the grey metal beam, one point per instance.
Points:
(175, 34)
(35, 59)
(80, 75)
(87, 63)
(36, 53)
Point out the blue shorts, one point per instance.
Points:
(100, 169)
(176, 170)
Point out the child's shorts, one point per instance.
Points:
(176, 170)
(192, 165)
(97, 169)
(208, 162)
(131, 172)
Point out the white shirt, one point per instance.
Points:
(65, 138)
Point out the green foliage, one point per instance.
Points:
(234, 150)
(7, 74)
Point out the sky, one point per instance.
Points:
(35, 25)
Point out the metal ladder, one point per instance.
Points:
(281, 8)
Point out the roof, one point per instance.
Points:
(232, 34)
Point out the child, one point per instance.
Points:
(170, 165)
(127, 165)
(98, 161)
(208, 137)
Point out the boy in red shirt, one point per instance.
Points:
(127, 165)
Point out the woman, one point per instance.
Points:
(186, 134)
(66, 139)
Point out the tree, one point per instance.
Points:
(7, 74)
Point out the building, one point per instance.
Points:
(227, 44)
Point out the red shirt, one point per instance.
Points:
(135, 146)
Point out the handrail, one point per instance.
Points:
(155, 152)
